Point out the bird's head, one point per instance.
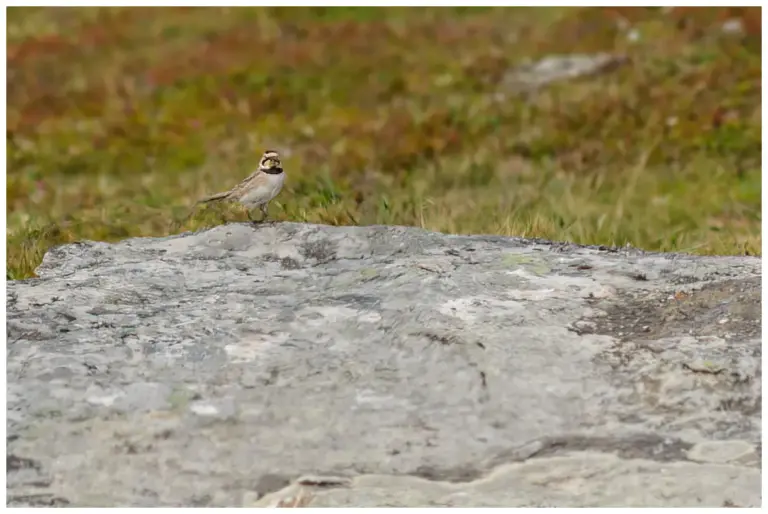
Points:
(270, 161)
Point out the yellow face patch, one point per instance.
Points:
(271, 163)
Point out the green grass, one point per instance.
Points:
(119, 119)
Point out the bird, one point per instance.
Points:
(256, 190)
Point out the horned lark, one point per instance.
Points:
(258, 189)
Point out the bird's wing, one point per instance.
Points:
(252, 181)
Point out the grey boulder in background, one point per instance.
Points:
(382, 366)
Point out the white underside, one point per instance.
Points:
(265, 192)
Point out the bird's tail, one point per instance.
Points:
(213, 198)
(207, 199)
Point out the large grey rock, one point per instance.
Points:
(375, 366)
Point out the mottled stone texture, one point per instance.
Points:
(376, 366)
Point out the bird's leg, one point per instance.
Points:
(263, 209)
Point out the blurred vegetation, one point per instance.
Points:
(119, 118)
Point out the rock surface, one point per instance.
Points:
(554, 68)
(382, 366)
